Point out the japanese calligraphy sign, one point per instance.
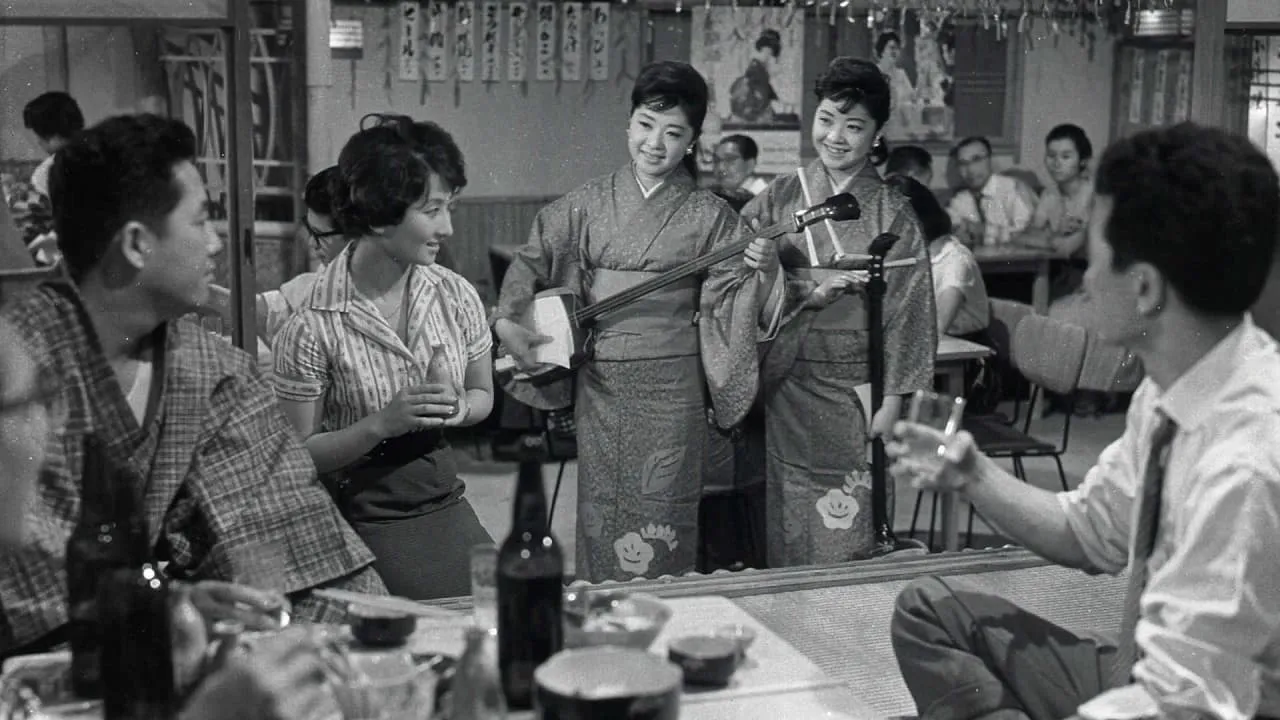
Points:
(545, 68)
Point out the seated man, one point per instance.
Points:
(1188, 497)
(227, 482)
(991, 209)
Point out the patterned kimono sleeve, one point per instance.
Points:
(728, 330)
(910, 324)
(765, 209)
(547, 260)
(251, 504)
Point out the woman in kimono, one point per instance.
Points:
(390, 350)
(818, 479)
(641, 401)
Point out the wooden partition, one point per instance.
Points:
(482, 223)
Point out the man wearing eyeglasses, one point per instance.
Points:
(990, 209)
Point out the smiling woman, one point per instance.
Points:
(391, 349)
(641, 402)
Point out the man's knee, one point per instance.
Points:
(918, 602)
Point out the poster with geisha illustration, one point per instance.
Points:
(753, 61)
(917, 52)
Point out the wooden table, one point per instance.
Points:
(776, 680)
(1018, 260)
(953, 354)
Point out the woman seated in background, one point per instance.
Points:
(389, 350)
(963, 309)
(1062, 212)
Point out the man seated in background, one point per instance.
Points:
(54, 118)
(990, 208)
(226, 482)
(735, 167)
(911, 161)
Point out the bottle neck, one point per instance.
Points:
(529, 511)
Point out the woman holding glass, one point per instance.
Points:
(642, 400)
(818, 483)
(391, 350)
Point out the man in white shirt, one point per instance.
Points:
(990, 209)
(1180, 241)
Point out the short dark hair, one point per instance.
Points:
(53, 114)
(386, 168)
(850, 82)
(908, 159)
(934, 221)
(1076, 135)
(316, 194)
(1201, 205)
(772, 39)
(971, 140)
(883, 40)
(667, 84)
(747, 147)
(118, 171)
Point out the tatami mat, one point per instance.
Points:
(845, 630)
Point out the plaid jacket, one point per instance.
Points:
(225, 477)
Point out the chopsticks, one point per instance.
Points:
(388, 603)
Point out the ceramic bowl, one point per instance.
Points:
(615, 618)
(607, 682)
(380, 628)
(743, 635)
(386, 684)
(706, 660)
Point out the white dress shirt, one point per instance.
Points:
(1209, 628)
(1005, 206)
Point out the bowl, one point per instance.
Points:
(615, 618)
(607, 682)
(380, 628)
(385, 684)
(705, 659)
(743, 635)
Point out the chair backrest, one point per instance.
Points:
(1109, 369)
(1050, 353)
(1005, 316)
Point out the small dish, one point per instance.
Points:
(380, 628)
(705, 659)
(743, 635)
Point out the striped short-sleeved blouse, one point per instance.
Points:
(341, 349)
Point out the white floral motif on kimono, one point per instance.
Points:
(634, 554)
(837, 507)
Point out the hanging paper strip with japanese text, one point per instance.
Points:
(490, 21)
(409, 19)
(545, 68)
(437, 46)
(464, 41)
(599, 50)
(571, 42)
(517, 41)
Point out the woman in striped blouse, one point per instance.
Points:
(391, 350)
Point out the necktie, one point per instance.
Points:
(1144, 540)
(978, 202)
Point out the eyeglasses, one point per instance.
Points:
(318, 235)
(973, 160)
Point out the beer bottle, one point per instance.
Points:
(109, 534)
(530, 587)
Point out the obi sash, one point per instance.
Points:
(838, 332)
(659, 325)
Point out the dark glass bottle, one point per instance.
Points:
(137, 670)
(108, 535)
(530, 589)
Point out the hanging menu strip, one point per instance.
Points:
(517, 41)
(599, 41)
(571, 42)
(464, 41)
(1160, 85)
(409, 18)
(490, 21)
(546, 49)
(437, 47)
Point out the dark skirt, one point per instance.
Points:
(405, 501)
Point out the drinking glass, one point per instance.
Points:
(941, 413)
(484, 585)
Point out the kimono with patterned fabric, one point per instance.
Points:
(818, 469)
(641, 402)
(224, 482)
